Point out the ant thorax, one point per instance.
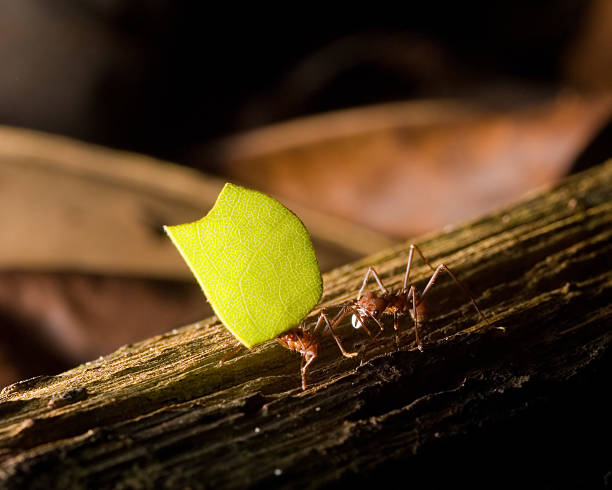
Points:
(398, 303)
(374, 305)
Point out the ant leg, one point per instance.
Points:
(395, 329)
(368, 315)
(361, 320)
(344, 312)
(413, 247)
(341, 315)
(365, 280)
(304, 368)
(441, 268)
(323, 316)
(301, 329)
(415, 315)
(230, 354)
(380, 325)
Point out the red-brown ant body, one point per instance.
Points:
(370, 305)
(397, 303)
(307, 344)
(304, 342)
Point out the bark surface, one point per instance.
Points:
(522, 401)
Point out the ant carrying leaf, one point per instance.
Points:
(256, 264)
(303, 341)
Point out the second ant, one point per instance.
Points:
(369, 305)
(372, 305)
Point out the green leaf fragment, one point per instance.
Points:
(255, 262)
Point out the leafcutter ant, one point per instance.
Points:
(304, 342)
(373, 305)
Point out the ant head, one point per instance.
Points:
(368, 296)
(372, 304)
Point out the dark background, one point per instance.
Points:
(161, 76)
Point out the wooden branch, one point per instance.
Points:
(481, 405)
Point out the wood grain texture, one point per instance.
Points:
(482, 405)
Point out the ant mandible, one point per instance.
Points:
(399, 303)
(304, 342)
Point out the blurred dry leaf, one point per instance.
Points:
(589, 61)
(67, 205)
(84, 263)
(53, 321)
(407, 168)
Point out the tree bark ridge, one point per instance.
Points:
(523, 398)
